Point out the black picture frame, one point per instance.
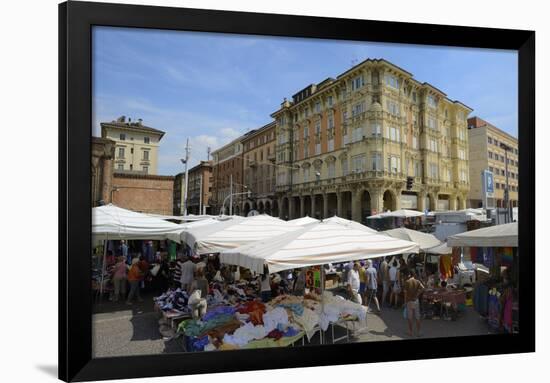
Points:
(76, 20)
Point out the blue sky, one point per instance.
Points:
(211, 88)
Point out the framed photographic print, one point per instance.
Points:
(308, 187)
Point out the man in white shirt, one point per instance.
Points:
(187, 274)
(354, 283)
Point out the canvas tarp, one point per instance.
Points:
(315, 244)
(303, 221)
(350, 224)
(505, 235)
(403, 213)
(424, 240)
(236, 232)
(113, 222)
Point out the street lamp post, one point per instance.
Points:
(231, 196)
(507, 188)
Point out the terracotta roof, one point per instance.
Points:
(136, 126)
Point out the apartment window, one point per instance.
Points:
(433, 145)
(295, 153)
(376, 130)
(357, 109)
(448, 175)
(515, 151)
(344, 115)
(318, 148)
(417, 169)
(490, 155)
(146, 169)
(120, 167)
(120, 152)
(501, 158)
(431, 101)
(295, 135)
(502, 172)
(306, 174)
(358, 163)
(146, 155)
(433, 170)
(331, 121)
(357, 83)
(463, 175)
(491, 169)
(306, 112)
(331, 169)
(357, 134)
(146, 140)
(461, 134)
(462, 154)
(306, 151)
(490, 140)
(394, 134)
(131, 167)
(318, 128)
(329, 101)
(431, 123)
(317, 107)
(392, 81)
(122, 137)
(496, 142)
(392, 108)
(415, 142)
(331, 144)
(345, 166)
(394, 164)
(306, 131)
(497, 185)
(414, 96)
(376, 161)
(131, 150)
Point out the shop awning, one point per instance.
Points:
(113, 222)
(424, 240)
(441, 249)
(303, 221)
(350, 224)
(235, 232)
(403, 213)
(505, 235)
(315, 244)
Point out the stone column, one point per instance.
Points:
(325, 205)
(462, 204)
(313, 205)
(107, 180)
(339, 204)
(281, 208)
(377, 200)
(421, 201)
(356, 205)
(452, 202)
(398, 199)
(302, 206)
(291, 208)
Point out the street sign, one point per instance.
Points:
(487, 187)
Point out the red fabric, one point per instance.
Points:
(275, 334)
(255, 309)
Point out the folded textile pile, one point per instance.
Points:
(173, 300)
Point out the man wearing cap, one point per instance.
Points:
(354, 283)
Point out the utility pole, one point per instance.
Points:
(200, 195)
(208, 153)
(186, 162)
(507, 188)
(231, 194)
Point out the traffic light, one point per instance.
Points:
(410, 181)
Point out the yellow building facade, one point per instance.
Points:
(487, 153)
(137, 145)
(347, 146)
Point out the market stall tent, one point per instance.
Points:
(441, 249)
(112, 222)
(424, 240)
(303, 221)
(402, 213)
(317, 244)
(505, 235)
(351, 224)
(236, 232)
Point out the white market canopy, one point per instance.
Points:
(316, 244)
(236, 232)
(303, 221)
(350, 224)
(113, 222)
(183, 218)
(505, 235)
(403, 213)
(424, 240)
(441, 249)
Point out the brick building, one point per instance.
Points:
(227, 173)
(143, 193)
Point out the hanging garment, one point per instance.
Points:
(445, 266)
(489, 257)
(456, 256)
(474, 255)
(507, 256)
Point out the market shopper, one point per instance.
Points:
(124, 252)
(354, 283)
(300, 283)
(412, 288)
(199, 283)
(362, 282)
(187, 272)
(265, 286)
(372, 285)
(395, 283)
(384, 276)
(120, 278)
(135, 276)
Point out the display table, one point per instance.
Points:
(345, 323)
(444, 295)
